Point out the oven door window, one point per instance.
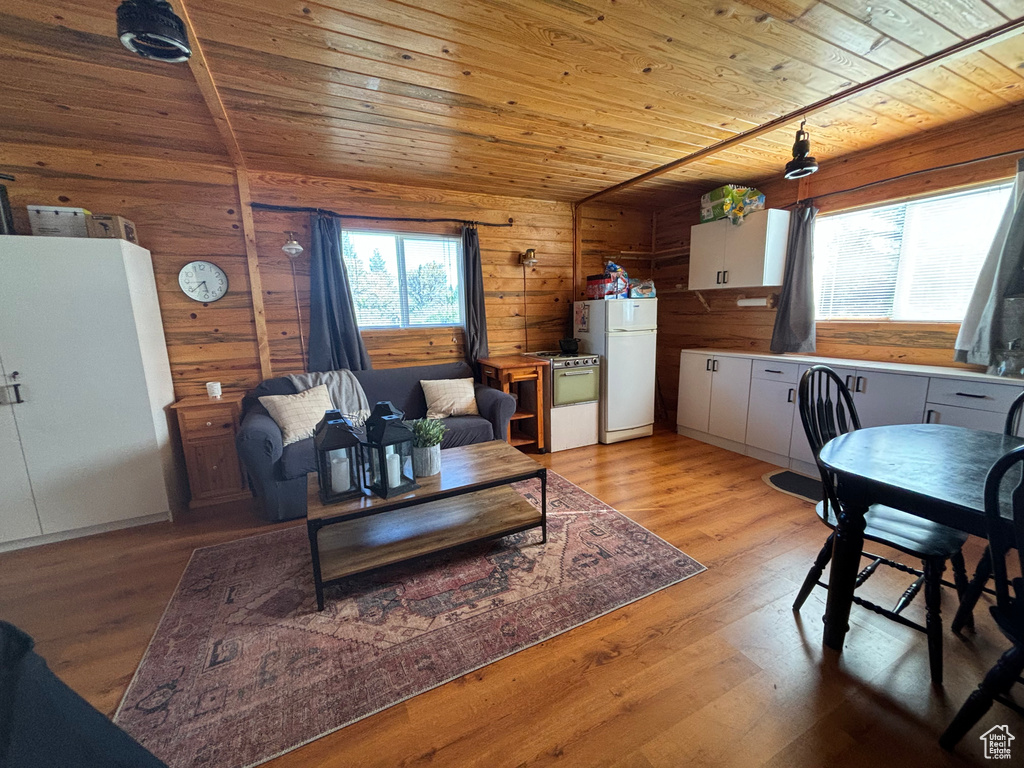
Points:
(575, 385)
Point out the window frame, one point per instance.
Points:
(888, 203)
(403, 288)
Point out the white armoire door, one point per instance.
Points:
(18, 518)
(86, 427)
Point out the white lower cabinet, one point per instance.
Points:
(889, 398)
(752, 400)
(713, 395)
(773, 393)
(964, 417)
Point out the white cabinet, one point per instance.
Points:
(973, 404)
(713, 394)
(772, 403)
(889, 398)
(751, 254)
(87, 344)
(880, 398)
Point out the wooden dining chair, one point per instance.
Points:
(827, 411)
(1003, 534)
(978, 584)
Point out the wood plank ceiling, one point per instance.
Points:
(532, 98)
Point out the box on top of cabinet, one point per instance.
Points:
(113, 226)
(54, 221)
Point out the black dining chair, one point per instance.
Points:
(1009, 608)
(827, 411)
(978, 584)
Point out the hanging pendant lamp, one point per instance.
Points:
(801, 165)
(151, 29)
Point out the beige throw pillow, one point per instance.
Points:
(298, 415)
(450, 397)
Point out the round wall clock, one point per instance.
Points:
(203, 281)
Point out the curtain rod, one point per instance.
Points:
(325, 212)
(907, 176)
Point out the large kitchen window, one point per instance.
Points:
(912, 261)
(402, 280)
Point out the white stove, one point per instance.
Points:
(571, 394)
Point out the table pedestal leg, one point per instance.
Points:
(849, 542)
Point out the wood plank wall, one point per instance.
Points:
(684, 322)
(613, 233)
(527, 308)
(185, 211)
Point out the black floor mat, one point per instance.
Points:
(806, 488)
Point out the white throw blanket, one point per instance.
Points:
(345, 390)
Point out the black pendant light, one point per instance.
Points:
(151, 29)
(801, 165)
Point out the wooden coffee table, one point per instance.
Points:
(470, 500)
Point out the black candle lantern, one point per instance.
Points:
(387, 452)
(337, 458)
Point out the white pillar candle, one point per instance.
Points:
(341, 479)
(394, 470)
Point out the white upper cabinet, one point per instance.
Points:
(748, 255)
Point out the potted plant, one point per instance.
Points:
(426, 446)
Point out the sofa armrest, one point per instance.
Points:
(259, 444)
(497, 407)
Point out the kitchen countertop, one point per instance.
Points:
(933, 371)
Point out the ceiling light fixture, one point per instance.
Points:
(801, 165)
(151, 29)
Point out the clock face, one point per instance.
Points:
(203, 281)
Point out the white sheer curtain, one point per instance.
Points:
(1000, 275)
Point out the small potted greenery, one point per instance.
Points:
(426, 446)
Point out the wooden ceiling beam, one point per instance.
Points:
(208, 89)
(964, 47)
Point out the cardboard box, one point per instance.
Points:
(50, 221)
(111, 225)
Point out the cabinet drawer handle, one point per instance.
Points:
(714, 365)
(848, 383)
(968, 394)
(708, 366)
(859, 388)
(209, 423)
(718, 277)
(769, 370)
(789, 397)
(928, 416)
(725, 275)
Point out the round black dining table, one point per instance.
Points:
(934, 471)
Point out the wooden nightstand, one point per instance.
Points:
(208, 426)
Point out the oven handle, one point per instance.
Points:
(577, 373)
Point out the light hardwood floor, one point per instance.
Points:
(714, 671)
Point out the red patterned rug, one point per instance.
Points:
(243, 668)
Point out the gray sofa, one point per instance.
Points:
(277, 473)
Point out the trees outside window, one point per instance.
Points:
(402, 280)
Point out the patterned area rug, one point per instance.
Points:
(243, 668)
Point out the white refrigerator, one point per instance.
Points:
(624, 332)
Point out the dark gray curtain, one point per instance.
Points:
(473, 278)
(794, 321)
(334, 340)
